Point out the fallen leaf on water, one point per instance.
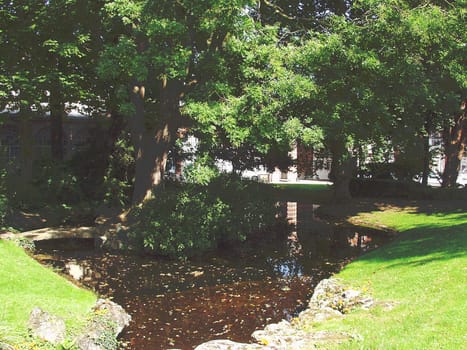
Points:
(197, 273)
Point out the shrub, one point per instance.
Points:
(3, 209)
(189, 219)
(105, 167)
(4, 204)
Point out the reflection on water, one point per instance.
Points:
(226, 295)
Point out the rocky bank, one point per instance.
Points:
(330, 299)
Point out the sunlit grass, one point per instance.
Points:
(423, 274)
(25, 284)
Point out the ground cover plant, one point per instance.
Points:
(419, 280)
(25, 284)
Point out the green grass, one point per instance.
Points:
(25, 284)
(316, 193)
(423, 272)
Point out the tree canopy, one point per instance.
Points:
(247, 78)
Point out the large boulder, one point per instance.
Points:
(102, 331)
(46, 326)
(332, 293)
(114, 313)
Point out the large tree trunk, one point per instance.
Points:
(342, 170)
(426, 149)
(56, 124)
(153, 138)
(455, 141)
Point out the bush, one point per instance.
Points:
(105, 167)
(189, 219)
(4, 203)
(56, 183)
(3, 209)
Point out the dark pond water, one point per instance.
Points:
(229, 294)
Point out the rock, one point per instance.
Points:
(330, 299)
(283, 335)
(46, 326)
(325, 293)
(4, 346)
(318, 315)
(331, 293)
(101, 333)
(228, 345)
(114, 313)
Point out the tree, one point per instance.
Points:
(252, 118)
(297, 16)
(393, 71)
(455, 143)
(422, 46)
(151, 63)
(191, 64)
(49, 47)
(347, 104)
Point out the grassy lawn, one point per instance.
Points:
(423, 273)
(316, 193)
(24, 284)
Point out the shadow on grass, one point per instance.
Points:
(305, 193)
(346, 210)
(423, 245)
(428, 230)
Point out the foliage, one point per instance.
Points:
(118, 180)
(420, 48)
(188, 219)
(105, 165)
(246, 77)
(157, 54)
(25, 243)
(201, 171)
(388, 74)
(4, 203)
(57, 182)
(249, 112)
(101, 170)
(50, 52)
(54, 184)
(298, 17)
(106, 339)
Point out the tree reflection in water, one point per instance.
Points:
(224, 295)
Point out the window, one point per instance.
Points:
(9, 144)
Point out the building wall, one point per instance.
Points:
(75, 132)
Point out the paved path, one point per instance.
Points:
(55, 233)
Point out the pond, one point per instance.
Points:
(228, 295)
